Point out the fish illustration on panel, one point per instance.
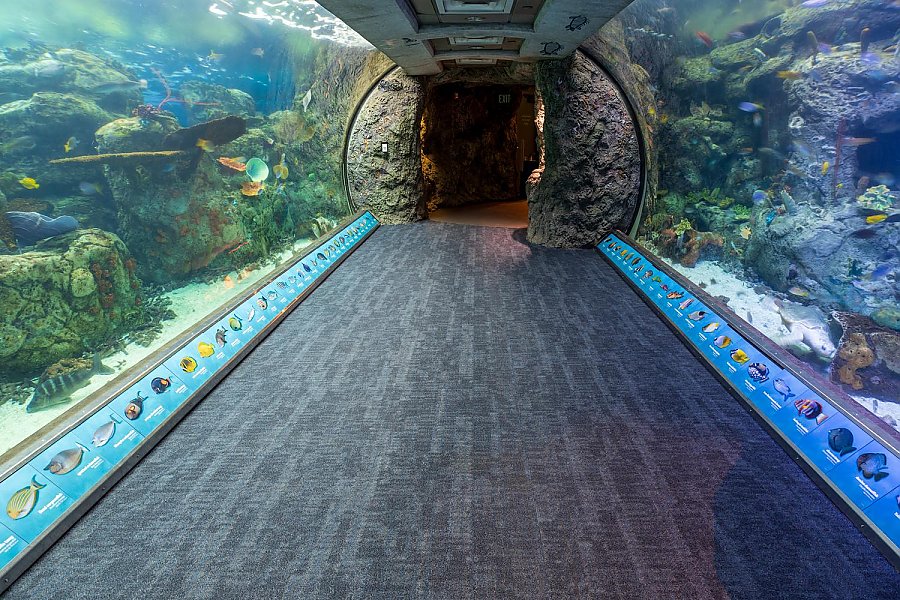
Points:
(723, 341)
(205, 349)
(710, 327)
(872, 465)
(160, 384)
(841, 441)
(135, 407)
(808, 408)
(783, 388)
(697, 315)
(758, 372)
(188, 364)
(65, 460)
(220, 337)
(739, 356)
(22, 502)
(262, 303)
(235, 323)
(685, 304)
(103, 434)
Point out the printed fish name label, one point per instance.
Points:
(831, 456)
(57, 500)
(154, 413)
(96, 462)
(181, 389)
(801, 427)
(775, 403)
(8, 544)
(128, 436)
(872, 494)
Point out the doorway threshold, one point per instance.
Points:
(512, 215)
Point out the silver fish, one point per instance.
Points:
(65, 461)
(783, 388)
(104, 433)
(23, 501)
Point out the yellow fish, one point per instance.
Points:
(29, 183)
(739, 356)
(205, 145)
(789, 74)
(70, 144)
(825, 166)
(871, 220)
(23, 501)
(745, 232)
(206, 350)
(281, 171)
(188, 364)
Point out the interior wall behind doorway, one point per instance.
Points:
(472, 143)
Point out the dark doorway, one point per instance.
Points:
(478, 144)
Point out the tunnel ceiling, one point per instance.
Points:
(425, 36)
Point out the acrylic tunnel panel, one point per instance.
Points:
(773, 134)
(157, 161)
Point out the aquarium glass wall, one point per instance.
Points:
(158, 158)
(775, 136)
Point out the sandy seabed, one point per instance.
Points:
(190, 304)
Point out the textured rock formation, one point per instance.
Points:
(868, 358)
(591, 181)
(208, 101)
(65, 297)
(390, 185)
(469, 144)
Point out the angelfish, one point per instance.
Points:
(23, 501)
(65, 460)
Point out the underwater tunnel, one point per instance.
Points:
(450, 298)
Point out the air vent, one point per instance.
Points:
(476, 61)
(479, 7)
(476, 41)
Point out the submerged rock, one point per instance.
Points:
(64, 298)
(208, 101)
(868, 358)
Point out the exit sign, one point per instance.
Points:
(504, 98)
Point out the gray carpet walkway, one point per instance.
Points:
(456, 414)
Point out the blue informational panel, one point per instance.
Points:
(42, 491)
(863, 470)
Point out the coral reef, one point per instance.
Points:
(67, 296)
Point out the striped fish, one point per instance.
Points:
(57, 390)
(23, 501)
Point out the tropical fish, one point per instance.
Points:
(262, 303)
(825, 166)
(205, 145)
(30, 227)
(215, 55)
(220, 337)
(235, 323)
(704, 37)
(746, 232)
(251, 188)
(292, 279)
(282, 285)
(259, 52)
(760, 196)
(841, 441)
(90, 189)
(739, 356)
(307, 98)
(232, 163)
(657, 279)
(135, 407)
(636, 260)
(698, 315)
(251, 314)
(104, 433)
(758, 372)
(710, 327)
(272, 295)
(760, 54)
(160, 384)
(257, 170)
(872, 465)
(188, 364)
(808, 408)
(789, 75)
(771, 216)
(58, 390)
(205, 349)
(280, 170)
(873, 219)
(859, 141)
(22, 502)
(648, 274)
(674, 295)
(750, 107)
(685, 304)
(783, 388)
(880, 271)
(70, 144)
(798, 291)
(29, 183)
(321, 256)
(723, 341)
(65, 461)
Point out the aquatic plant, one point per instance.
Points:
(683, 226)
(741, 212)
(877, 197)
(714, 197)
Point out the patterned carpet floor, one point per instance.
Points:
(457, 414)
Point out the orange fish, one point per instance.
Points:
(704, 37)
(251, 188)
(232, 163)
